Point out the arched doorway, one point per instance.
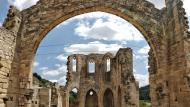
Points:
(91, 99)
(108, 99)
(73, 98)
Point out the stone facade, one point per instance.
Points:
(46, 97)
(114, 87)
(165, 30)
(7, 51)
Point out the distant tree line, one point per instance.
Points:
(144, 93)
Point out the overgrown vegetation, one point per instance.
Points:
(38, 80)
(144, 93)
(145, 103)
(144, 96)
(73, 97)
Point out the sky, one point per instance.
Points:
(95, 32)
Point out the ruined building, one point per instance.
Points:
(46, 97)
(112, 84)
(165, 30)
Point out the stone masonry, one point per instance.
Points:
(46, 97)
(114, 87)
(165, 30)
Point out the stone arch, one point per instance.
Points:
(108, 98)
(38, 20)
(108, 55)
(165, 30)
(91, 100)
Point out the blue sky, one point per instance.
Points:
(88, 33)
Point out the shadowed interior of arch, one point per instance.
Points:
(108, 98)
(91, 99)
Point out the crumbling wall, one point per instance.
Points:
(119, 78)
(7, 51)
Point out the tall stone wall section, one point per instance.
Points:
(9, 60)
(119, 80)
(7, 51)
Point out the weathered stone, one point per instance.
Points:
(165, 30)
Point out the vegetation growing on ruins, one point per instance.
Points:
(38, 80)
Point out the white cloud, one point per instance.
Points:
(140, 56)
(0, 24)
(62, 58)
(44, 68)
(142, 79)
(144, 50)
(158, 3)
(35, 64)
(91, 15)
(114, 28)
(53, 81)
(187, 7)
(59, 70)
(22, 4)
(92, 47)
(50, 73)
(62, 80)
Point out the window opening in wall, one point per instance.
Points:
(108, 65)
(73, 97)
(74, 63)
(91, 66)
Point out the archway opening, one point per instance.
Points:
(108, 99)
(73, 98)
(100, 34)
(91, 99)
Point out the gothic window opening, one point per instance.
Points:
(108, 71)
(73, 95)
(91, 67)
(74, 64)
(108, 64)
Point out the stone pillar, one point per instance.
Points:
(100, 98)
(7, 49)
(64, 96)
(8, 64)
(178, 44)
(129, 87)
(82, 97)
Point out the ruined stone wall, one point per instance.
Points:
(38, 20)
(35, 97)
(44, 97)
(165, 30)
(120, 74)
(178, 43)
(7, 51)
